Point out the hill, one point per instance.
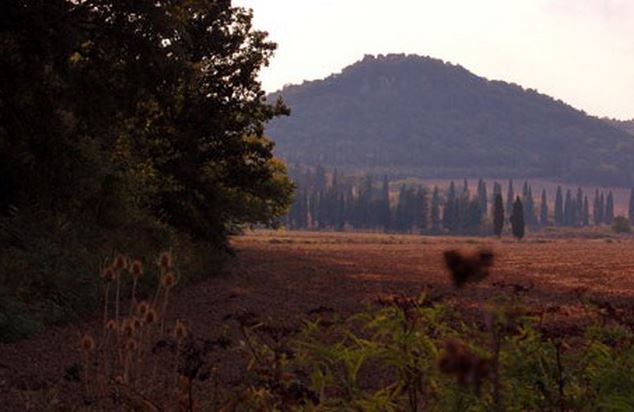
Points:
(625, 125)
(418, 116)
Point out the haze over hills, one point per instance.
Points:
(409, 115)
(625, 125)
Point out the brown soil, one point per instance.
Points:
(281, 276)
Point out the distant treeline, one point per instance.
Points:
(330, 200)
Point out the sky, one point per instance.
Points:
(579, 51)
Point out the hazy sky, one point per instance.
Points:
(580, 51)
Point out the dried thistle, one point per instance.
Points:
(131, 345)
(142, 309)
(137, 269)
(87, 343)
(464, 269)
(168, 280)
(108, 274)
(165, 260)
(128, 328)
(180, 330)
(459, 361)
(150, 317)
(120, 262)
(112, 325)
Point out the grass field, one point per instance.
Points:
(281, 276)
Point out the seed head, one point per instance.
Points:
(137, 269)
(131, 345)
(121, 262)
(108, 274)
(142, 309)
(165, 260)
(151, 316)
(87, 343)
(168, 280)
(127, 328)
(112, 325)
(180, 330)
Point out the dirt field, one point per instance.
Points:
(282, 275)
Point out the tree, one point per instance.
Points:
(517, 219)
(609, 209)
(559, 208)
(118, 112)
(384, 205)
(585, 217)
(449, 216)
(435, 211)
(483, 197)
(543, 214)
(510, 196)
(498, 215)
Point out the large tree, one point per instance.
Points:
(112, 106)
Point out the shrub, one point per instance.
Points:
(621, 225)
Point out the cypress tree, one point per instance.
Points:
(510, 196)
(483, 197)
(601, 209)
(517, 219)
(498, 215)
(422, 210)
(609, 209)
(435, 211)
(559, 208)
(568, 209)
(449, 211)
(384, 205)
(586, 212)
(595, 208)
(543, 214)
(579, 208)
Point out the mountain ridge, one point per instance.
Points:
(420, 116)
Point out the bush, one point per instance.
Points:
(621, 225)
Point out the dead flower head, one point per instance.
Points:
(464, 269)
(128, 328)
(108, 274)
(137, 269)
(142, 309)
(112, 325)
(87, 343)
(180, 330)
(131, 345)
(165, 260)
(150, 317)
(120, 262)
(168, 280)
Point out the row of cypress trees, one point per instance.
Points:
(341, 202)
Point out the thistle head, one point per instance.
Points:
(127, 328)
(87, 343)
(131, 345)
(168, 280)
(165, 260)
(108, 274)
(180, 330)
(137, 269)
(120, 262)
(150, 317)
(142, 309)
(112, 325)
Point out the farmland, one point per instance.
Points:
(281, 276)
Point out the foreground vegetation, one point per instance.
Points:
(131, 124)
(422, 352)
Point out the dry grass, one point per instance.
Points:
(283, 275)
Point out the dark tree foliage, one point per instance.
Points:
(517, 219)
(543, 214)
(559, 208)
(609, 209)
(111, 107)
(435, 212)
(510, 195)
(498, 215)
